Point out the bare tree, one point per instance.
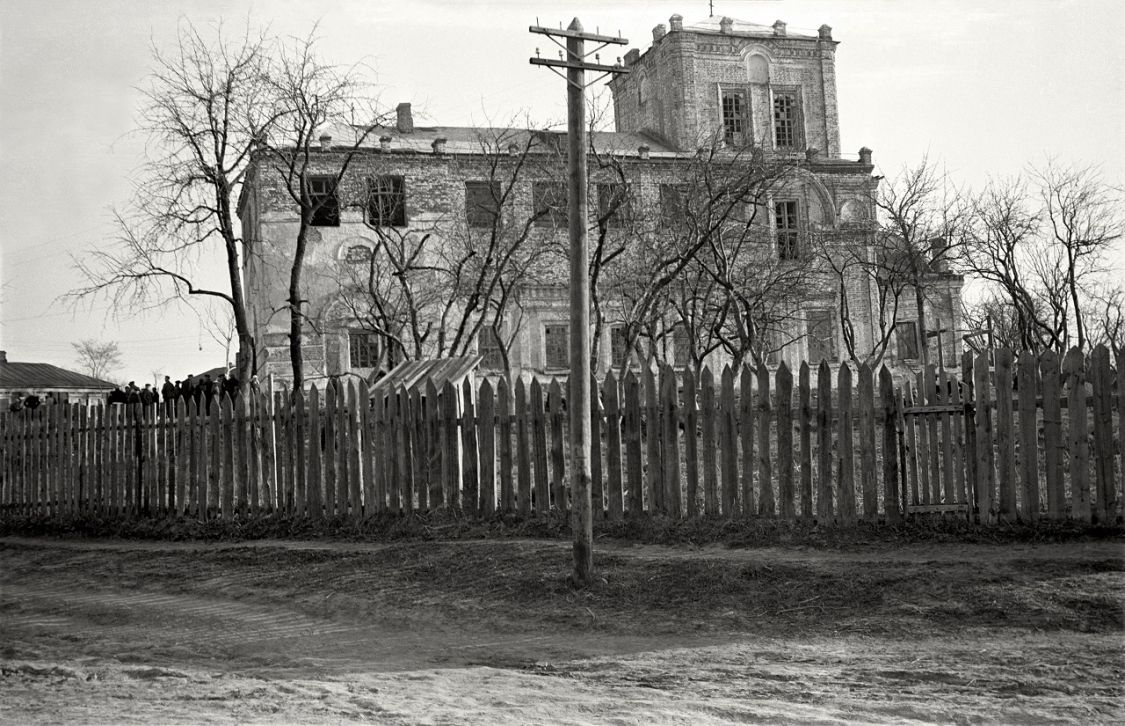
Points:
(310, 99)
(921, 216)
(97, 358)
(205, 105)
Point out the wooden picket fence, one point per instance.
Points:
(1007, 439)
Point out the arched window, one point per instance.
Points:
(358, 254)
(758, 69)
(642, 90)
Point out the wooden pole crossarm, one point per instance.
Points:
(580, 65)
(581, 35)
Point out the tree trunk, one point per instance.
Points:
(296, 316)
(923, 341)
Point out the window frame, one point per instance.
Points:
(618, 354)
(492, 357)
(548, 363)
(545, 204)
(794, 120)
(478, 215)
(369, 346)
(673, 202)
(607, 193)
(787, 238)
(324, 213)
(829, 320)
(738, 116)
(375, 210)
(912, 340)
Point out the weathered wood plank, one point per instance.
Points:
(486, 435)
(766, 495)
(405, 459)
(355, 450)
(891, 448)
(910, 438)
(366, 447)
(710, 457)
(865, 390)
(958, 422)
(1119, 492)
(933, 440)
(597, 484)
(448, 442)
(1005, 442)
(229, 444)
(804, 403)
(968, 400)
(314, 492)
(504, 409)
(542, 496)
(1101, 377)
(328, 448)
(949, 478)
(558, 466)
(1027, 376)
(523, 449)
(1074, 371)
(746, 439)
(925, 483)
(824, 506)
(654, 477)
(845, 477)
(986, 475)
(614, 490)
(435, 428)
(728, 443)
(670, 445)
(785, 451)
(632, 435)
(470, 500)
(691, 443)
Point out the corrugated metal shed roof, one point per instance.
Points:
(40, 376)
(415, 374)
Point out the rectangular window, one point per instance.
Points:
(618, 352)
(549, 204)
(787, 229)
(364, 349)
(490, 348)
(673, 203)
(386, 201)
(735, 126)
(821, 329)
(787, 119)
(681, 346)
(906, 340)
(613, 204)
(325, 204)
(482, 203)
(556, 342)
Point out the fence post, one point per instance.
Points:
(670, 415)
(486, 434)
(766, 496)
(1102, 380)
(1028, 384)
(845, 480)
(707, 411)
(786, 506)
(613, 444)
(867, 470)
(891, 498)
(985, 472)
(729, 446)
(1074, 370)
(824, 509)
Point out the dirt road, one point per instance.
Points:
(487, 632)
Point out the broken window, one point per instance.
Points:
(735, 126)
(364, 349)
(549, 202)
(556, 343)
(821, 329)
(490, 348)
(323, 201)
(906, 339)
(787, 119)
(617, 339)
(358, 254)
(386, 201)
(787, 229)
(482, 203)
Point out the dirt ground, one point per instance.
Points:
(488, 632)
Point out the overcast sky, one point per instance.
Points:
(984, 87)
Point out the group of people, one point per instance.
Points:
(202, 391)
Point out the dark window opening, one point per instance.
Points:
(386, 201)
(324, 202)
(821, 336)
(549, 200)
(673, 203)
(734, 118)
(556, 340)
(681, 346)
(490, 348)
(482, 203)
(906, 340)
(786, 119)
(613, 204)
(618, 352)
(364, 349)
(787, 230)
(358, 254)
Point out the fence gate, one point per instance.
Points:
(932, 444)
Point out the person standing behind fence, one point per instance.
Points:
(208, 391)
(147, 396)
(168, 393)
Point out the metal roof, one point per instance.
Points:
(415, 374)
(44, 376)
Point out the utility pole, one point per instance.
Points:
(575, 63)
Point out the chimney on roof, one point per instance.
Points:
(513, 149)
(676, 23)
(725, 24)
(404, 119)
(439, 146)
(642, 151)
(385, 143)
(865, 156)
(3, 356)
(658, 32)
(631, 56)
(825, 32)
(325, 142)
(779, 28)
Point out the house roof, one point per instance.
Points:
(416, 374)
(713, 24)
(40, 376)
